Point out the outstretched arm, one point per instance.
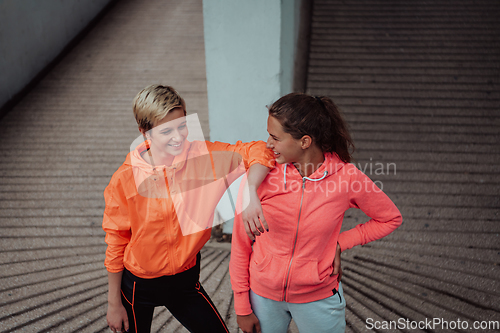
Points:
(117, 227)
(259, 160)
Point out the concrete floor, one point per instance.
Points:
(418, 83)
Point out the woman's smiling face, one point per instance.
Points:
(286, 149)
(169, 135)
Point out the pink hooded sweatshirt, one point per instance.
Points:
(293, 261)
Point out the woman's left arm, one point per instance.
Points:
(259, 160)
(384, 215)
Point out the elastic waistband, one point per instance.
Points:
(309, 294)
(192, 273)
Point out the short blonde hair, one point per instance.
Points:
(153, 103)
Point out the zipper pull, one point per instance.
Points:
(303, 183)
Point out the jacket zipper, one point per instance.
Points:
(168, 227)
(295, 241)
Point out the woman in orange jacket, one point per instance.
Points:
(159, 211)
(293, 271)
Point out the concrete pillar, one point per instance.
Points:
(250, 52)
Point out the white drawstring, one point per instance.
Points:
(311, 179)
(315, 180)
(284, 176)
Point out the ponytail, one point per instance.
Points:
(317, 116)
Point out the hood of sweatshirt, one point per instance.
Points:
(136, 160)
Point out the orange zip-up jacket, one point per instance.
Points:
(158, 218)
(293, 262)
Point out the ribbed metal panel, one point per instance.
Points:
(418, 82)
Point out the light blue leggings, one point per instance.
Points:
(326, 315)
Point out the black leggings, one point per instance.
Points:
(182, 294)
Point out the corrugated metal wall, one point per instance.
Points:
(418, 82)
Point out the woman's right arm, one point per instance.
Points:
(117, 315)
(249, 323)
(241, 250)
(116, 224)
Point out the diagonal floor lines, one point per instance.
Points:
(61, 144)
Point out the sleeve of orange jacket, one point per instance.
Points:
(241, 250)
(384, 215)
(116, 224)
(252, 152)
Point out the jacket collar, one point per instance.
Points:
(136, 160)
(332, 164)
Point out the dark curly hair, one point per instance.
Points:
(317, 116)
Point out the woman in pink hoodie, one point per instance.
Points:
(293, 271)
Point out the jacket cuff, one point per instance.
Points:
(114, 266)
(112, 270)
(242, 305)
